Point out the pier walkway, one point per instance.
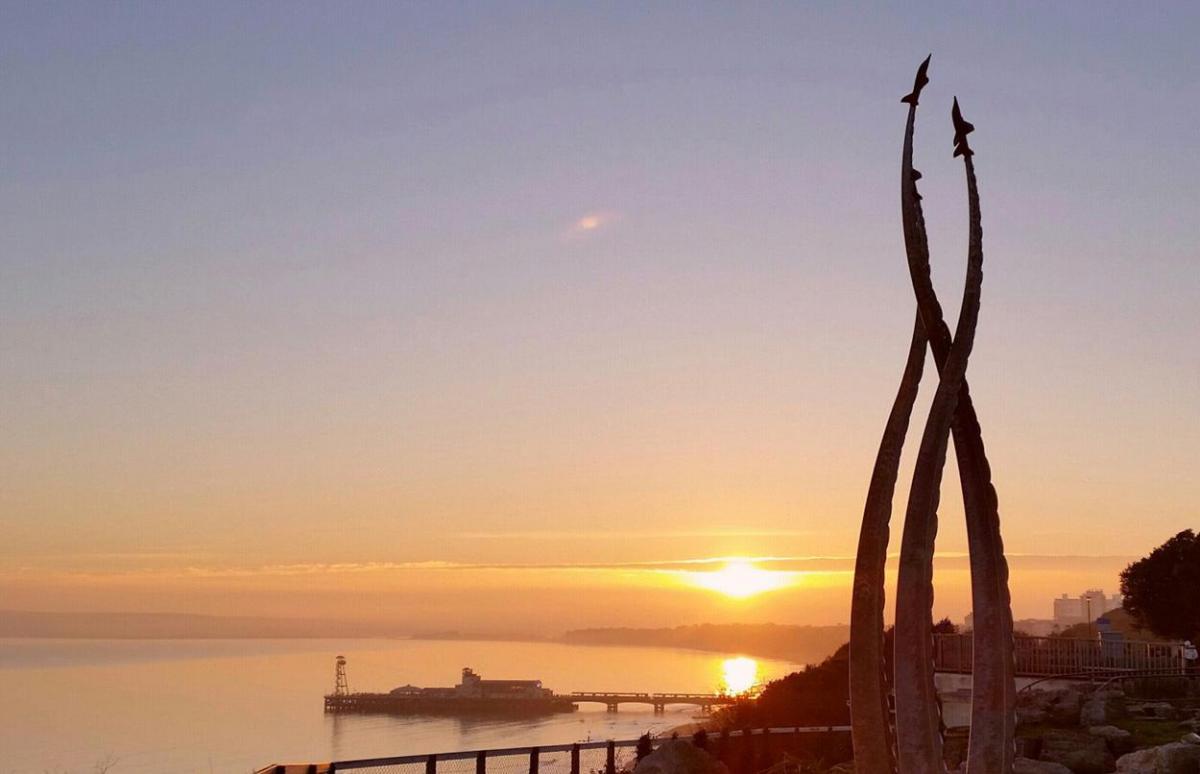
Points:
(659, 701)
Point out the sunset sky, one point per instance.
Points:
(471, 315)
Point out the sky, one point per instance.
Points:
(469, 312)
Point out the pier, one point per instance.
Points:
(659, 701)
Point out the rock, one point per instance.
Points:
(1079, 751)
(676, 756)
(1066, 708)
(1161, 710)
(1030, 766)
(1119, 740)
(1174, 758)
(1140, 762)
(1059, 707)
(1029, 747)
(1032, 716)
(1178, 758)
(1192, 738)
(1102, 707)
(954, 745)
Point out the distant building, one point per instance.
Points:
(1084, 608)
(472, 686)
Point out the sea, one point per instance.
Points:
(126, 706)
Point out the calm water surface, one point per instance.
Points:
(235, 705)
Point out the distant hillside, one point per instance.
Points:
(800, 644)
(22, 623)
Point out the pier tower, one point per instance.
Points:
(341, 686)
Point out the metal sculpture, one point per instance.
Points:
(914, 744)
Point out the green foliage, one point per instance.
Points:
(1162, 590)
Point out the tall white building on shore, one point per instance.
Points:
(1086, 607)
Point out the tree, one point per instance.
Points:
(1162, 590)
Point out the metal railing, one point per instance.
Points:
(744, 751)
(1056, 656)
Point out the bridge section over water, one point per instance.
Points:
(659, 701)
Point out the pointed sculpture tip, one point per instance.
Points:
(918, 83)
(961, 129)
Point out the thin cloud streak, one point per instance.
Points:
(799, 564)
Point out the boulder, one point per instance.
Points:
(954, 745)
(1102, 708)
(1140, 762)
(1119, 740)
(1028, 747)
(1079, 751)
(1032, 715)
(1066, 708)
(1179, 758)
(1030, 766)
(1174, 758)
(1160, 710)
(676, 756)
(1033, 707)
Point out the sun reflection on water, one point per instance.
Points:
(739, 675)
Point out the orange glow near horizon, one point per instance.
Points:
(741, 579)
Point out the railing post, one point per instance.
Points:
(431, 764)
(765, 748)
(534, 754)
(610, 760)
(574, 759)
(747, 751)
(723, 746)
(481, 762)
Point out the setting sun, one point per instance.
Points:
(739, 578)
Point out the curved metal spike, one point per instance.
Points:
(918, 719)
(993, 696)
(870, 716)
(961, 130)
(918, 83)
(920, 525)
